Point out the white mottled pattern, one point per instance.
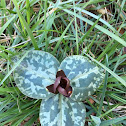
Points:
(86, 74)
(76, 96)
(85, 77)
(71, 62)
(89, 93)
(61, 111)
(36, 71)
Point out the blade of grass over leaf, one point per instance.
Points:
(97, 26)
(58, 43)
(8, 74)
(26, 25)
(111, 72)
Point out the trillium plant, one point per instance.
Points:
(61, 86)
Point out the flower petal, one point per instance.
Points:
(62, 91)
(60, 73)
(57, 82)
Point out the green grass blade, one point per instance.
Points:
(26, 25)
(109, 111)
(76, 32)
(111, 72)
(28, 11)
(3, 4)
(91, 44)
(58, 43)
(88, 32)
(103, 90)
(112, 121)
(117, 38)
(9, 73)
(45, 25)
(118, 98)
(6, 24)
(96, 17)
(105, 51)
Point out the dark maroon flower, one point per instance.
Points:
(61, 85)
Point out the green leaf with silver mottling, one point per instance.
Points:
(85, 77)
(62, 111)
(36, 71)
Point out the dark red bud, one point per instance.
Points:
(61, 85)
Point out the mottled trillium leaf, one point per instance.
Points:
(85, 77)
(62, 111)
(37, 70)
